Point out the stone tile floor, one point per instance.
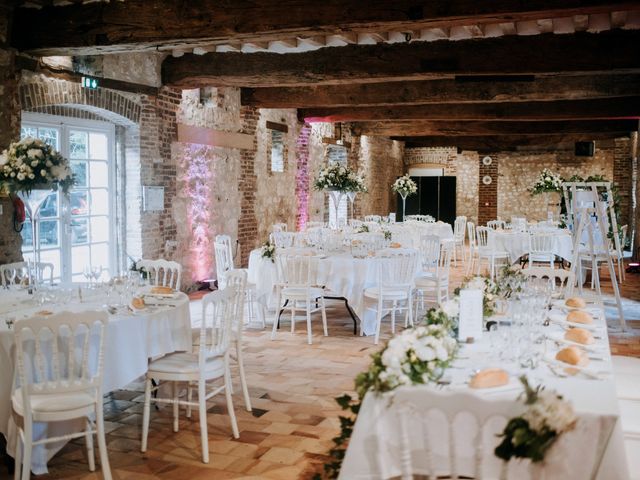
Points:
(294, 418)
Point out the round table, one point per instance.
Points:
(516, 244)
(164, 326)
(342, 275)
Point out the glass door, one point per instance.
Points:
(76, 231)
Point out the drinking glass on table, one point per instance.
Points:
(86, 272)
(96, 272)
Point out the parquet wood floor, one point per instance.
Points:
(292, 386)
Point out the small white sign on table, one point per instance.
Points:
(470, 319)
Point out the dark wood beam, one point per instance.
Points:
(609, 108)
(26, 63)
(100, 27)
(480, 128)
(609, 52)
(497, 143)
(422, 92)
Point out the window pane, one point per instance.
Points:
(49, 207)
(52, 256)
(79, 231)
(79, 258)
(99, 255)
(78, 144)
(48, 233)
(79, 202)
(80, 171)
(277, 151)
(98, 146)
(27, 237)
(99, 174)
(99, 229)
(99, 201)
(27, 131)
(49, 136)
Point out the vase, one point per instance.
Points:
(33, 202)
(552, 203)
(404, 203)
(336, 197)
(352, 198)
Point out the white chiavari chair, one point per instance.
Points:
(562, 281)
(373, 218)
(458, 237)
(433, 280)
(488, 252)
(496, 224)
(21, 272)
(541, 249)
(395, 274)
(60, 362)
(165, 273)
(279, 227)
(297, 289)
(283, 239)
(356, 224)
(311, 225)
(211, 362)
(473, 250)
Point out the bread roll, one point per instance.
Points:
(575, 302)
(573, 356)
(489, 378)
(578, 316)
(579, 335)
(138, 303)
(162, 290)
(395, 245)
(44, 312)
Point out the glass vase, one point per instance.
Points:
(33, 202)
(336, 197)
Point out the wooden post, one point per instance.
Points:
(635, 189)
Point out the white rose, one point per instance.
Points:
(450, 308)
(43, 173)
(3, 158)
(20, 176)
(34, 153)
(34, 162)
(32, 176)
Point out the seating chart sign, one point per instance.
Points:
(470, 319)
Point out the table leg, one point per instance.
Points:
(353, 315)
(6, 458)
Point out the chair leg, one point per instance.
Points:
(88, 437)
(145, 414)
(27, 448)
(202, 414)
(102, 443)
(227, 392)
(393, 317)
(243, 378)
(324, 317)
(176, 407)
(309, 341)
(18, 459)
(189, 398)
(275, 318)
(293, 316)
(408, 316)
(378, 323)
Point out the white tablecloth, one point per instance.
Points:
(408, 233)
(131, 339)
(341, 274)
(517, 244)
(373, 450)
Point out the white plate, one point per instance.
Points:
(586, 370)
(559, 337)
(561, 319)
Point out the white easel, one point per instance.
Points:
(583, 209)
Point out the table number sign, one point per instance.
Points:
(470, 319)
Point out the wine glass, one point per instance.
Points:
(86, 271)
(96, 272)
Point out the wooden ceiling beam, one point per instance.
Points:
(422, 92)
(482, 128)
(610, 52)
(498, 143)
(608, 108)
(98, 27)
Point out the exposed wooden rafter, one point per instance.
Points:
(608, 108)
(609, 52)
(481, 128)
(423, 92)
(92, 28)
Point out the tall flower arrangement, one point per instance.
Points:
(30, 163)
(547, 181)
(404, 186)
(339, 177)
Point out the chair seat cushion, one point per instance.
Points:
(186, 363)
(488, 252)
(302, 292)
(53, 402)
(388, 293)
(427, 281)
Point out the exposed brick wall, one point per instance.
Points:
(622, 177)
(488, 194)
(248, 223)
(302, 176)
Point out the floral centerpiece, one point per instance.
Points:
(488, 288)
(547, 181)
(363, 229)
(404, 186)
(135, 267)
(30, 164)
(268, 250)
(417, 355)
(530, 435)
(340, 178)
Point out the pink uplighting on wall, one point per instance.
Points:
(302, 177)
(197, 188)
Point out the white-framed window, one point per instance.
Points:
(76, 231)
(277, 151)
